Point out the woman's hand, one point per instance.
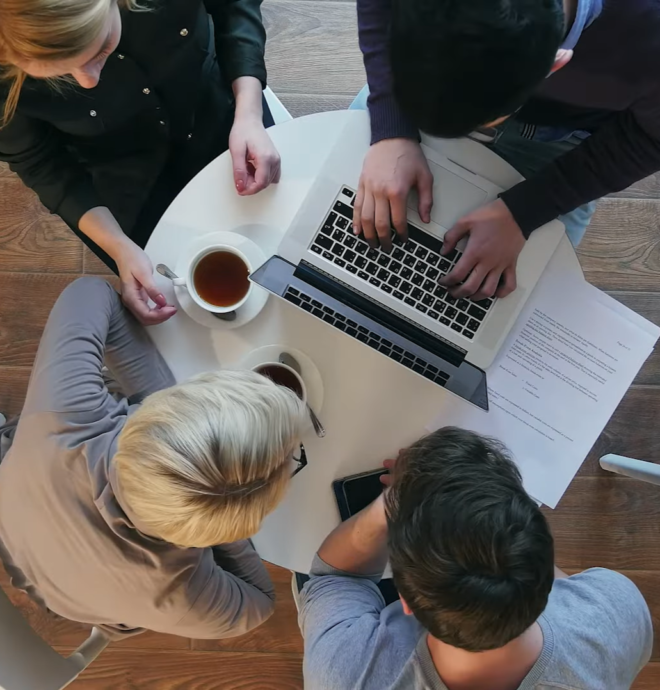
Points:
(135, 270)
(255, 158)
(138, 286)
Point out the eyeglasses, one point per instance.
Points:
(301, 462)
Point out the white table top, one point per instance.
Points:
(372, 406)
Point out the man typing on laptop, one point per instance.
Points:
(395, 302)
(567, 91)
(482, 606)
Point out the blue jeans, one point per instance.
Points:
(528, 150)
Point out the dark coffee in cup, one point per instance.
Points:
(282, 376)
(221, 278)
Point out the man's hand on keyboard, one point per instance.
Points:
(392, 167)
(488, 265)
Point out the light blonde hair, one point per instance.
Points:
(47, 30)
(203, 463)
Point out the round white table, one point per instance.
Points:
(372, 406)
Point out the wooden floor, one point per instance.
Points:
(602, 521)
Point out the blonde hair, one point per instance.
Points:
(203, 463)
(47, 30)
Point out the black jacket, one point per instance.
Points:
(164, 103)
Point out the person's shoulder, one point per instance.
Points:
(601, 629)
(597, 594)
(633, 10)
(597, 587)
(640, 17)
(352, 640)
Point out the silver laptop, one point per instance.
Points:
(393, 302)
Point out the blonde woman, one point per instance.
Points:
(109, 107)
(132, 513)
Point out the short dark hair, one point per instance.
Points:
(471, 553)
(461, 64)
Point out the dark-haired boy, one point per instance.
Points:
(482, 605)
(568, 92)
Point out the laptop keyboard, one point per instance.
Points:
(410, 273)
(364, 335)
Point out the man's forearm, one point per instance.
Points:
(132, 358)
(616, 156)
(241, 559)
(359, 545)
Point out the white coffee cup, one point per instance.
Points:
(301, 392)
(188, 281)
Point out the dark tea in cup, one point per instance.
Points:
(221, 278)
(282, 376)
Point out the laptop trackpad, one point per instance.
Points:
(453, 196)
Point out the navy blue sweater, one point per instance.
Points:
(610, 88)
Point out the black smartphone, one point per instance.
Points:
(357, 492)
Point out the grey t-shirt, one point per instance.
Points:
(597, 634)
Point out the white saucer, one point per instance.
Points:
(308, 371)
(257, 299)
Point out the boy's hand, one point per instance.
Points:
(392, 167)
(387, 478)
(488, 265)
(389, 466)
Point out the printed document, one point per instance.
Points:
(565, 367)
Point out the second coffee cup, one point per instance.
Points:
(283, 375)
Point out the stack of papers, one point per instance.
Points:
(559, 377)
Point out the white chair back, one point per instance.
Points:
(278, 111)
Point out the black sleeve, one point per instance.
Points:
(34, 151)
(619, 154)
(240, 38)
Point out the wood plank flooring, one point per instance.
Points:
(603, 520)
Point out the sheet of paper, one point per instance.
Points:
(562, 372)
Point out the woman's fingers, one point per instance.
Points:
(155, 295)
(136, 298)
(277, 176)
(239, 160)
(138, 287)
